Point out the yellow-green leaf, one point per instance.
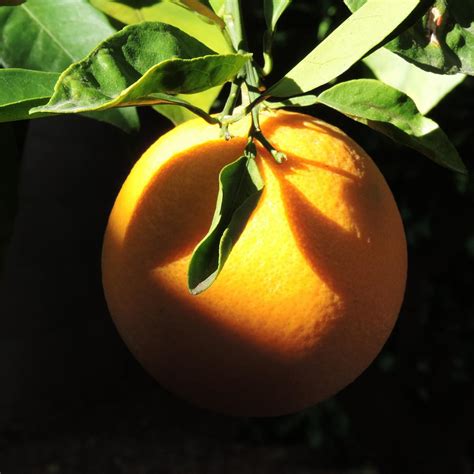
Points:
(191, 22)
(360, 33)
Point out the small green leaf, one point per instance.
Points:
(425, 88)
(138, 62)
(361, 32)
(442, 41)
(394, 114)
(22, 89)
(240, 187)
(273, 10)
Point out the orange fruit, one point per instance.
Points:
(309, 294)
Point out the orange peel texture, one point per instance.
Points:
(309, 294)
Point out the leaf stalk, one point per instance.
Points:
(233, 20)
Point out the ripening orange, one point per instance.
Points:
(309, 294)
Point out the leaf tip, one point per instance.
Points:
(38, 110)
(196, 289)
(461, 168)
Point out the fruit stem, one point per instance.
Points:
(229, 106)
(233, 21)
(279, 156)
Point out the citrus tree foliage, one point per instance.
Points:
(196, 19)
(49, 35)
(103, 58)
(441, 40)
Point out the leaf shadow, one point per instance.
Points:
(138, 3)
(178, 203)
(327, 246)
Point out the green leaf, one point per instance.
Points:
(137, 62)
(360, 33)
(425, 88)
(190, 16)
(394, 114)
(202, 25)
(49, 35)
(6, 3)
(22, 89)
(442, 41)
(273, 10)
(240, 187)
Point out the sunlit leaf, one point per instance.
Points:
(425, 88)
(137, 62)
(172, 13)
(361, 32)
(442, 41)
(190, 16)
(394, 114)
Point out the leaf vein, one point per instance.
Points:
(47, 31)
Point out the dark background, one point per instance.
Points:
(73, 400)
